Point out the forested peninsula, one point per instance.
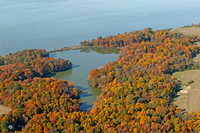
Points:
(137, 88)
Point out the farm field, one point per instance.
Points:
(189, 96)
(4, 109)
(187, 30)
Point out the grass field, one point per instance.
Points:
(4, 109)
(187, 30)
(189, 97)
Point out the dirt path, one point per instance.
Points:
(4, 109)
(189, 97)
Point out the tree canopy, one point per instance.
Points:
(137, 88)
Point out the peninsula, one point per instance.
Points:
(138, 89)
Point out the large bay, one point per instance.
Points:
(57, 23)
(49, 24)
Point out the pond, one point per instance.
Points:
(84, 61)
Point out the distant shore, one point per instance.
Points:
(184, 30)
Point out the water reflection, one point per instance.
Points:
(63, 74)
(83, 61)
(101, 50)
(95, 91)
(75, 66)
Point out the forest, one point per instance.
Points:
(137, 88)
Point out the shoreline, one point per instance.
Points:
(78, 47)
(172, 30)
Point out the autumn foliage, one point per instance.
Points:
(32, 97)
(30, 63)
(137, 88)
(122, 40)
